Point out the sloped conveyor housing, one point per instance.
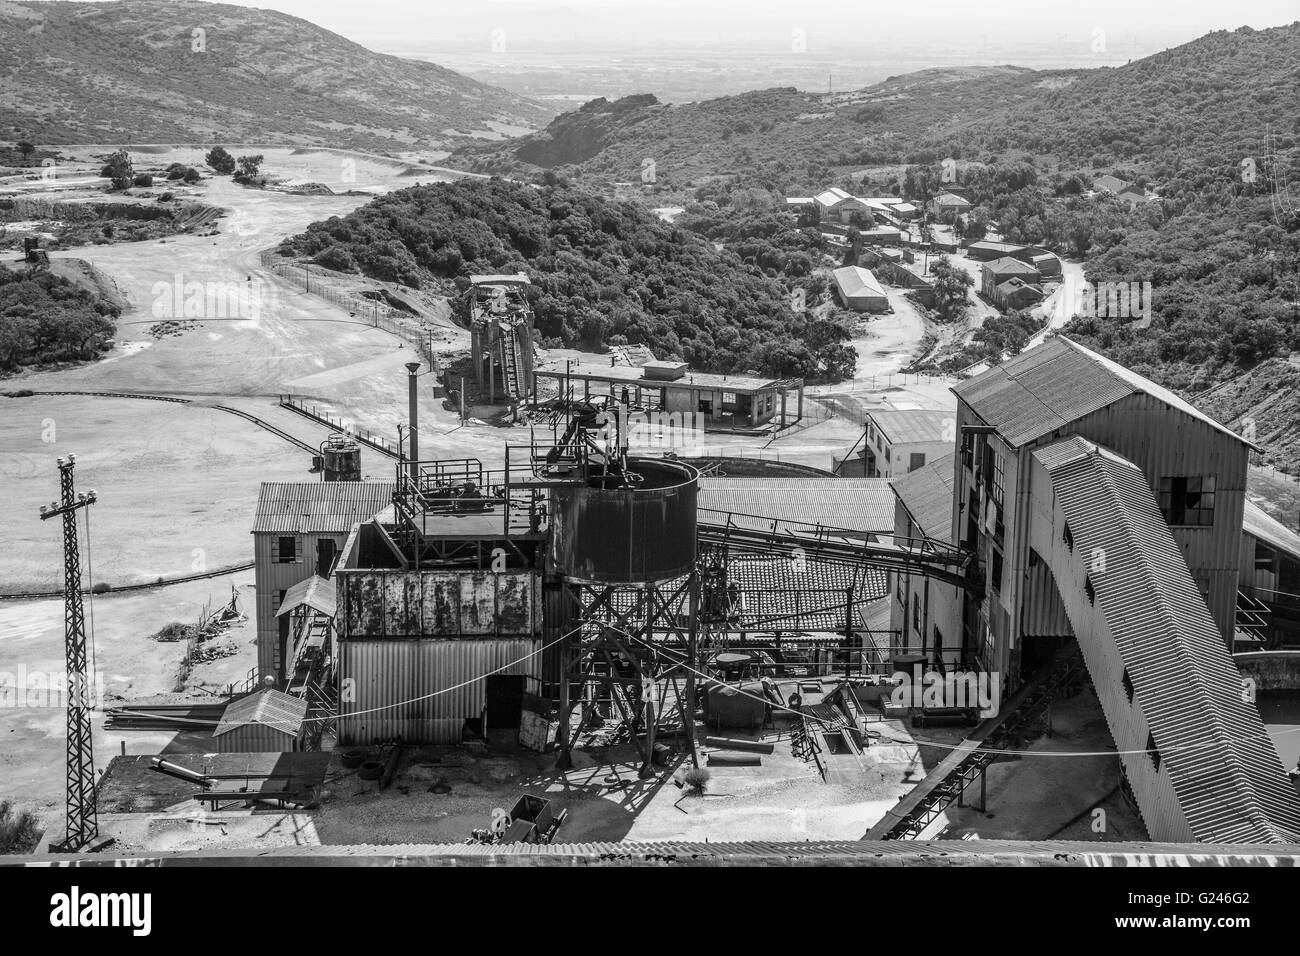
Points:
(1192, 743)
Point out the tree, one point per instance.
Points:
(220, 160)
(26, 149)
(118, 169)
(248, 167)
(950, 285)
(143, 179)
(191, 176)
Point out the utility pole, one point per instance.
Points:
(83, 820)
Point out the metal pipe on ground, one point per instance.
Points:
(732, 743)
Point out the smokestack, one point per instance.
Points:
(413, 413)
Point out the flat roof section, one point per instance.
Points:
(632, 375)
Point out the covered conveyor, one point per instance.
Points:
(1189, 734)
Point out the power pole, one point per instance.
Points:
(83, 820)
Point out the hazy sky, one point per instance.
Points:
(390, 25)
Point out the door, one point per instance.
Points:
(326, 549)
(505, 699)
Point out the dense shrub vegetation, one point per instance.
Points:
(46, 318)
(603, 273)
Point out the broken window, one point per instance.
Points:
(1153, 752)
(1187, 501)
(287, 549)
(1128, 685)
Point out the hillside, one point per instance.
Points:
(1211, 99)
(129, 72)
(780, 137)
(603, 273)
(1265, 403)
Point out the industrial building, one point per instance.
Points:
(721, 402)
(1106, 514)
(898, 441)
(858, 290)
(299, 529)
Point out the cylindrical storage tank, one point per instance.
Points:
(342, 458)
(633, 534)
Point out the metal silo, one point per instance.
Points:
(635, 527)
(341, 456)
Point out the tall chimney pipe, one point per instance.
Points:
(413, 413)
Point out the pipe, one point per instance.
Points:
(182, 773)
(413, 413)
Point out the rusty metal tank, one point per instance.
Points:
(640, 532)
(341, 456)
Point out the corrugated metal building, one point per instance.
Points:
(919, 606)
(421, 652)
(266, 720)
(1105, 507)
(299, 528)
(859, 290)
(1059, 389)
(898, 441)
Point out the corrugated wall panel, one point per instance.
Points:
(394, 678)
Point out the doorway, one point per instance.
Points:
(505, 700)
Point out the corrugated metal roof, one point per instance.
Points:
(1257, 523)
(318, 507)
(854, 504)
(989, 245)
(1047, 388)
(829, 197)
(1221, 762)
(315, 592)
(1008, 266)
(855, 280)
(915, 424)
(267, 707)
(927, 495)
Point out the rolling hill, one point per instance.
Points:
(140, 71)
(1210, 100)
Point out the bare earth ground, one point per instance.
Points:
(129, 666)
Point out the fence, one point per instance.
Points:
(377, 314)
(363, 435)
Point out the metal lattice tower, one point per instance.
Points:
(83, 822)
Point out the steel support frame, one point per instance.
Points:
(625, 649)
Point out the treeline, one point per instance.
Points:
(46, 318)
(603, 273)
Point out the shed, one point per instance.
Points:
(267, 720)
(859, 290)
